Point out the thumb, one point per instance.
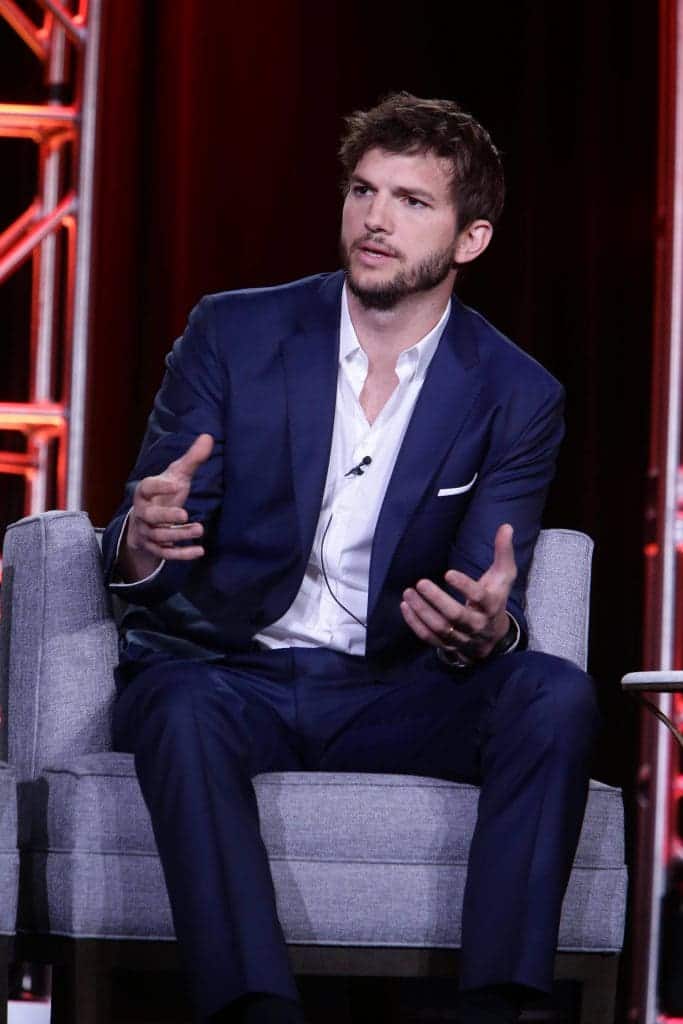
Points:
(198, 452)
(504, 552)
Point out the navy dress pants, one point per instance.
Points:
(522, 726)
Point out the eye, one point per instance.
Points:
(414, 203)
(360, 190)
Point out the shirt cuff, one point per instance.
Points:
(518, 634)
(122, 584)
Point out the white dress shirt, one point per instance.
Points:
(351, 504)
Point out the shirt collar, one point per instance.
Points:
(419, 355)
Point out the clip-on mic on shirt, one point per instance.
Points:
(358, 470)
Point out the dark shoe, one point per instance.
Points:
(257, 1008)
(495, 1004)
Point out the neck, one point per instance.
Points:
(384, 333)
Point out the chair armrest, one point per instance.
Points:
(59, 641)
(558, 594)
(660, 681)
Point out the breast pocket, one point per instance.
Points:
(448, 501)
(451, 492)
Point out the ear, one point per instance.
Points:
(472, 241)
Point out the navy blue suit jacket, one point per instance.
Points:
(257, 370)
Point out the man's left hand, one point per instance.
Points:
(472, 629)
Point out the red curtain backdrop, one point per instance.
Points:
(217, 169)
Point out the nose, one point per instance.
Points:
(378, 216)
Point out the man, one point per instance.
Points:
(317, 551)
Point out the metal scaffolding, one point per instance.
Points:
(55, 233)
(658, 859)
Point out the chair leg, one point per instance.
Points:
(81, 987)
(598, 991)
(597, 974)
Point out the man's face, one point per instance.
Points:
(399, 227)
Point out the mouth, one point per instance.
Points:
(374, 253)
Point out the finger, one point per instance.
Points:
(161, 515)
(170, 535)
(453, 611)
(198, 452)
(154, 486)
(488, 596)
(470, 589)
(418, 627)
(504, 553)
(458, 640)
(497, 581)
(175, 554)
(455, 640)
(467, 620)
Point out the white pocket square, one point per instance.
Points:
(446, 492)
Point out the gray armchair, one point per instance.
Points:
(369, 869)
(9, 877)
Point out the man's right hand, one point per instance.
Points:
(158, 520)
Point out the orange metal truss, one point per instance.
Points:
(54, 233)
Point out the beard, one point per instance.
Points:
(427, 274)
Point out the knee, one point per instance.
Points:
(564, 693)
(164, 700)
(572, 690)
(177, 695)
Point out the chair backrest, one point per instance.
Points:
(59, 644)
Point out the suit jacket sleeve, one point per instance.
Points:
(512, 489)
(191, 401)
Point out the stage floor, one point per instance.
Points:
(326, 1000)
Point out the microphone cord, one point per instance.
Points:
(327, 582)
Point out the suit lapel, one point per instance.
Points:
(447, 395)
(311, 358)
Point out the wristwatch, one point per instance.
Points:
(511, 639)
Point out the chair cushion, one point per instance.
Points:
(357, 859)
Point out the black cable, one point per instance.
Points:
(327, 582)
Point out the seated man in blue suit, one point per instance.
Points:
(323, 549)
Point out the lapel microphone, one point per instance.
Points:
(358, 470)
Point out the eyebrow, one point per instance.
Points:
(419, 193)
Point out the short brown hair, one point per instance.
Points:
(403, 123)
